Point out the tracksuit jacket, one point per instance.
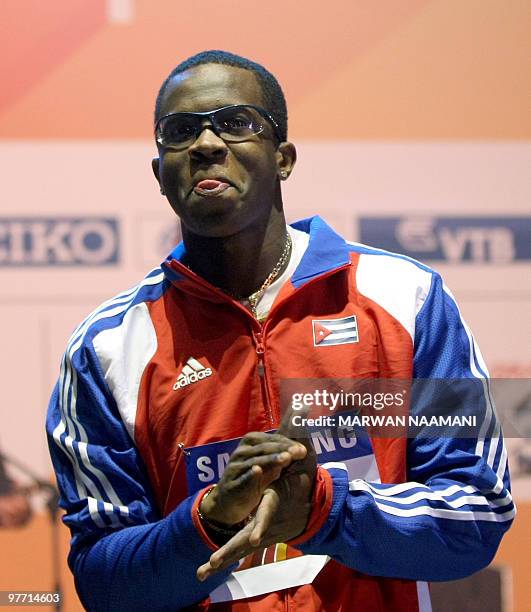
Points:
(158, 385)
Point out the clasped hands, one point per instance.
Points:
(270, 478)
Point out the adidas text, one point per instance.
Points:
(187, 379)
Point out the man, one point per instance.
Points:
(174, 385)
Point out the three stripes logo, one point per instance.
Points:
(335, 331)
(192, 372)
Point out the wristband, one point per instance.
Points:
(230, 531)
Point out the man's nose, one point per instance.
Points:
(207, 145)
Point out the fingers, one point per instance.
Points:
(231, 552)
(257, 462)
(239, 473)
(254, 438)
(245, 541)
(266, 444)
(275, 452)
(264, 516)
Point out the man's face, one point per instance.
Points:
(250, 168)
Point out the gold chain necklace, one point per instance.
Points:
(255, 297)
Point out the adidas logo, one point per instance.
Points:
(192, 372)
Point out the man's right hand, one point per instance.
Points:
(253, 466)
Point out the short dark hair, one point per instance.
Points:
(273, 95)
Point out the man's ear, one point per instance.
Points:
(286, 155)
(155, 168)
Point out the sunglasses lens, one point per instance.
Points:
(180, 129)
(237, 123)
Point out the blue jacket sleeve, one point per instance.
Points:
(447, 520)
(124, 556)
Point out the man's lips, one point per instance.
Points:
(211, 187)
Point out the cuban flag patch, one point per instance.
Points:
(335, 331)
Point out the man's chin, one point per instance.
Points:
(216, 224)
(219, 217)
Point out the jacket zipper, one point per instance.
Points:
(258, 337)
(257, 333)
(258, 330)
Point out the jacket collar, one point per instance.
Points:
(326, 252)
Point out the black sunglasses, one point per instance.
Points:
(234, 123)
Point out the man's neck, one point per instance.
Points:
(240, 263)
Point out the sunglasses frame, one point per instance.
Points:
(210, 116)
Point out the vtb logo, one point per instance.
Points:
(481, 239)
(59, 241)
